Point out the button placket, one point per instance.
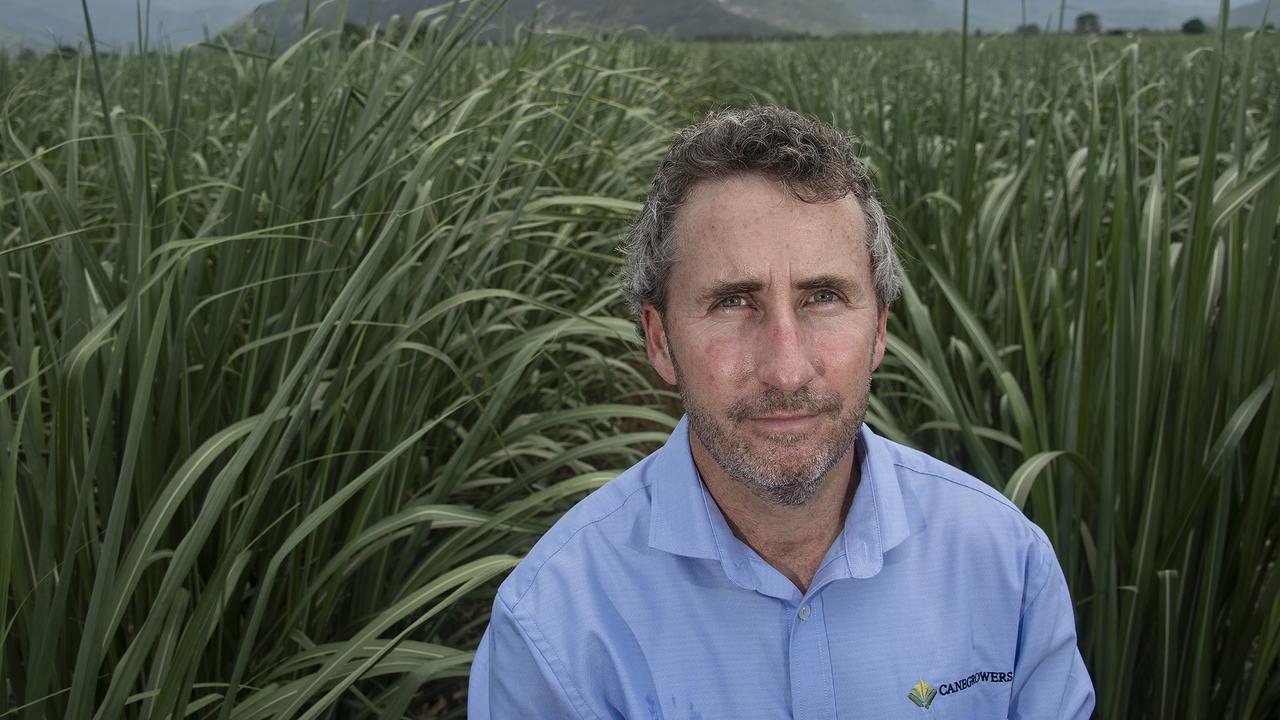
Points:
(811, 692)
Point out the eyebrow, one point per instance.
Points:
(725, 288)
(843, 285)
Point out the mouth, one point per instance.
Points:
(787, 422)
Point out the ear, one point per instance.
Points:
(655, 343)
(882, 332)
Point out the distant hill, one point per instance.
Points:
(1250, 15)
(999, 15)
(679, 18)
(814, 17)
(702, 18)
(832, 17)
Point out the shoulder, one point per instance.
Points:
(599, 526)
(949, 495)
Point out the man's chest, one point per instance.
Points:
(912, 642)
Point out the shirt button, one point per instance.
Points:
(804, 612)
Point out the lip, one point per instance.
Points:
(785, 423)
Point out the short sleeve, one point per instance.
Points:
(511, 677)
(1050, 678)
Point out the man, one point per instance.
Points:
(776, 558)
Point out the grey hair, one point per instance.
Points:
(814, 161)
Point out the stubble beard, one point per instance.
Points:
(758, 462)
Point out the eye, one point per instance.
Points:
(731, 301)
(824, 296)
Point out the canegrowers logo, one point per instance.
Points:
(923, 693)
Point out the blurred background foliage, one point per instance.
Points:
(301, 349)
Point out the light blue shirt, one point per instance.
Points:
(641, 603)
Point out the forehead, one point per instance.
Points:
(751, 226)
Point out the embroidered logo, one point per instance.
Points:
(922, 695)
(948, 688)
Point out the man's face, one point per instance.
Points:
(771, 332)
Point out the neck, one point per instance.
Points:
(793, 539)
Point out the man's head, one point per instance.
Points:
(813, 161)
(761, 271)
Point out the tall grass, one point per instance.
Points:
(300, 350)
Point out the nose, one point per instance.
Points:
(784, 352)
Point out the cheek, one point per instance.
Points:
(846, 350)
(723, 358)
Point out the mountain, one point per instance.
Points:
(698, 18)
(1000, 15)
(815, 17)
(679, 18)
(1250, 16)
(891, 15)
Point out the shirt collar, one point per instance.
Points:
(685, 520)
(679, 521)
(877, 519)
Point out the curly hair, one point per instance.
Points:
(814, 162)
